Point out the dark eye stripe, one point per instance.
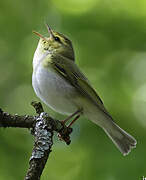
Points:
(57, 39)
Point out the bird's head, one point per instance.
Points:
(56, 43)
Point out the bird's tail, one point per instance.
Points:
(123, 141)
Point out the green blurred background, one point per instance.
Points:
(109, 39)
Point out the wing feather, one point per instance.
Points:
(71, 73)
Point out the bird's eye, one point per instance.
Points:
(57, 38)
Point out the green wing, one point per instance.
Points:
(71, 73)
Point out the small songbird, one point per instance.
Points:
(60, 84)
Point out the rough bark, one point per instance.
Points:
(42, 127)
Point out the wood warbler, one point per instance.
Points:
(60, 84)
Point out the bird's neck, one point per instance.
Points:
(38, 58)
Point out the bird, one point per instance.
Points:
(60, 84)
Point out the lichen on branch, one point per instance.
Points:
(42, 127)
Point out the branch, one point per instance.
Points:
(42, 127)
(8, 120)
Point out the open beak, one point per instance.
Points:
(50, 31)
(41, 36)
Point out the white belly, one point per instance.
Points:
(54, 91)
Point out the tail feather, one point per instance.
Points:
(123, 141)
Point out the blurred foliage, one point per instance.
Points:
(109, 38)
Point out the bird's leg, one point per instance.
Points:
(78, 113)
(77, 117)
(71, 116)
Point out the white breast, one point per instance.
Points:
(54, 90)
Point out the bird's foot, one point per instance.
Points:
(64, 136)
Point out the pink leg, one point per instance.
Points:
(72, 115)
(77, 117)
